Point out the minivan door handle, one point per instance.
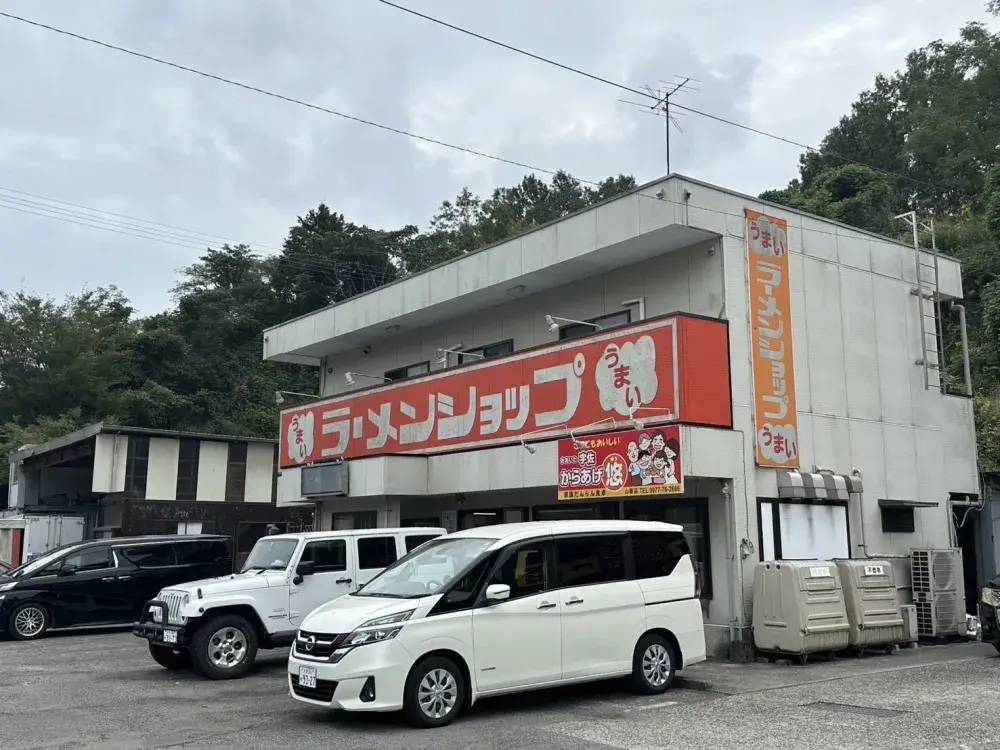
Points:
(124, 578)
(343, 580)
(109, 578)
(574, 600)
(546, 605)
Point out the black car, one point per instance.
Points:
(103, 582)
(989, 621)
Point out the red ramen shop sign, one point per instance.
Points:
(660, 371)
(638, 463)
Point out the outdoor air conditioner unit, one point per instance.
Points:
(938, 592)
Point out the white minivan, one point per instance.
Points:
(502, 609)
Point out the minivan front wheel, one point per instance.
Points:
(224, 647)
(434, 693)
(28, 622)
(652, 665)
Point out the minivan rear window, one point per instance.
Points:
(590, 559)
(202, 552)
(159, 555)
(657, 553)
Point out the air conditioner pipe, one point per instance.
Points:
(966, 368)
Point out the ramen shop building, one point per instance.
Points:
(680, 353)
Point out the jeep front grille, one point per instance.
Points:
(174, 601)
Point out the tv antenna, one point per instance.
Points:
(661, 105)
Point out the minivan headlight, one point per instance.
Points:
(379, 629)
(989, 597)
(8, 586)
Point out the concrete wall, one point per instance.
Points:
(861, 397)
(687, 280)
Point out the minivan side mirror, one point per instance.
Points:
(497, 592)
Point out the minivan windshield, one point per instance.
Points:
(427, 569)
(39, 562)
(270, 554)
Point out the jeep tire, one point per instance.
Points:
(224, 647)
(168, 658)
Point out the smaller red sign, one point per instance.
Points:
(637, 463)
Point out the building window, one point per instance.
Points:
(236, 473)
(473, 519)
(897, 520)
(410, 371)
(137, 465)
(187, 469)
(614, 320)
(692, 516)
(499, 349)
(189, 527)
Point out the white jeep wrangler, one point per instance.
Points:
(218, 624)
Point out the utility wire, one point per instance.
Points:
(274, 95)
(648, 95)
(88, 209)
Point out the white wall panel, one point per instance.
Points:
(894, 359)
(161, 476)
(110, 453)
(901, 478)
(860, 346)
(800, 332)
(831, 443)
(213, 458)
(826, 340)
(260, 470)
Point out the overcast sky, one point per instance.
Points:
(104, 130)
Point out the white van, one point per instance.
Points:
(531, 605)
(218, 624)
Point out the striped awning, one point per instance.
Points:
(802, 485)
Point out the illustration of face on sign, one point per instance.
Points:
(626, 376)
(300, 437)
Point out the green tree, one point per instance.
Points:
(59, 357)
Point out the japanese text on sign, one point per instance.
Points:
(775, 415)
(621, 464)
(615, 375)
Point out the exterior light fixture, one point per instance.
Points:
(530, 448)
(279, 396)
(457, 351)
(349, 377)
(577, 443)
(550, 321)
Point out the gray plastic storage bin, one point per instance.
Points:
(798, 607)
(872, 602)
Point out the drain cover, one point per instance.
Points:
(846, 708)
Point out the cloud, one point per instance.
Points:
(102, 129)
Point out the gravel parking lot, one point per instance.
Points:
(103, 691)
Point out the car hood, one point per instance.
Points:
(222, 585)
(346, 613)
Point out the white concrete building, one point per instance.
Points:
(842, 349)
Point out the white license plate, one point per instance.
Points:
(307, 677)
(170, 636)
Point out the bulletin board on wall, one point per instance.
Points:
(803, 530)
